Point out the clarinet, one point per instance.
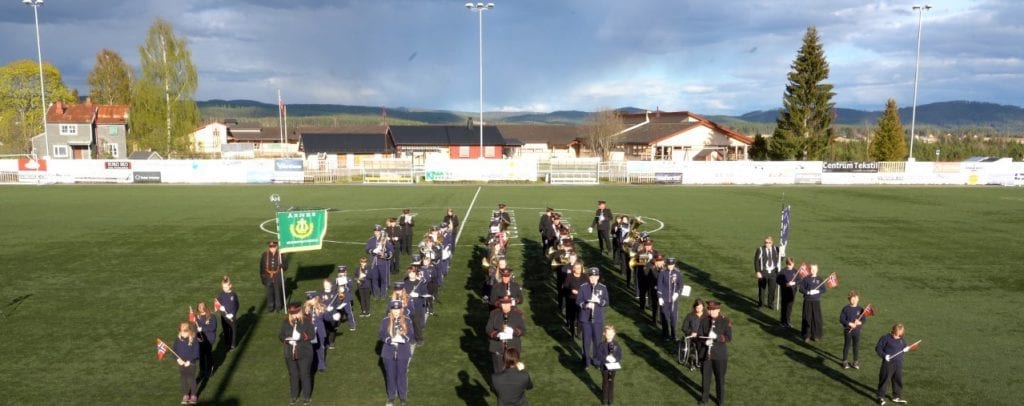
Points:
(395, 328)
(504, 325)
(591, 301)
(712, 341)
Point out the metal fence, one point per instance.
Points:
(582, 171)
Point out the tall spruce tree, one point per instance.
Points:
(759, 150)
(163, 105)
(804, 128)
(889, 143)
(110, 81)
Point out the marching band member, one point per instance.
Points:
(812, 288)
(592, 299)
(296, 333)
(602, 222)
(608, 354)
(206, 327)
(550, 234)
(451, 218)
(645, 253)
(648, 285)
(228, 301)
(430, 276)
(787, 292)
(393, 233)
(187, 349)
(328, 297)
(717, 333)
(766, 260)
(503, 216)
(570, 291)
(670, 286)
(562, 273)
(511, 384)
(851, 319)
(891, 348)
(446, 244)
(381, 251)
(396, 353)
(345, 289)
(363, 285)
(506, 287)
(417, 292)
(493, 276)
(406, 223)
(691, 328)
(545, 224)
(505, 326)
(619, 231)
(272, 267)
(315, 313)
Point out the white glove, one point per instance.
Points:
(791, 283)
(513, 302)
(330, 308)
(342, 306)
(336, 316)
(905, 349)
(712, 335)
(590, 305)
(708, 342)
(376, 250)
(414, 294)
(397, 340)
(675, 296)
(230, 316)
(610, 358)
(295, 335)
(199, 329)
(887, 357)
(661, 302)
(590, 229)
(813, 292)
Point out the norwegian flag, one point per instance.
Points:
(803, 271)
(784, 227)
(161, 349)
(832, 281)
(191, 315)
(217, 307)
(913, 347)
(868, 311)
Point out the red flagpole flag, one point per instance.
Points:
(869, 311)
(218, 308)
(191, 315)
(913, 347)
(161, 349)
(832, 281)
(804, 270)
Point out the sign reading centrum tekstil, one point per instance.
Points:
(301, 230)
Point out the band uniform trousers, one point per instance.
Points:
(891, 371)
(607, 387)
(397, 370)
(604, 240)
(851, 338)
(717, 368)
(592, 332)
(787, 296)
(188, 379)
(275, 298)
(300, 369)
(228, 331)
(669, 318)
(770, 285)
(811, 326)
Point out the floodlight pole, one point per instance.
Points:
(42, 89)
(917, 69)
(479, 8)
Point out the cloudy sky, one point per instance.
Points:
(710, 57)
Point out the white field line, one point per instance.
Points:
(465, 219)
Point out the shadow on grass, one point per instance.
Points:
(656, 360)
(13, 305)
(819, 364)
(246, 323)
(472, 393)
(474, 341)
(539, 282)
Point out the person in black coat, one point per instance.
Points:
(571, 290)
(691, 328)
(766, 265)
(603, 223)
(511, 384)
(851, 318)
(272, 267)
(505, 327)
(716, 330)
(451, 218)
(296, 333)
(406, 222)
(186, 346)
(787, 281)
(363, 287)
(608, 354)
(812, 288)
(206, 329)
(506, 287)
(228, 301)
(545, 224)
(892, 348)
(592, 299)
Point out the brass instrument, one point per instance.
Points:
(641, 259)
(634, 234)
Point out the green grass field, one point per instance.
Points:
(91, 275)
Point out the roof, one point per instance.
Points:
(683, 117)
(144, 155)
(541, 133)
(345, 143)
(71, 113)
(651, 133)
(445, 135)
(265, 134)
(112, 114)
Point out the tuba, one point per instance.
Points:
(633, 236)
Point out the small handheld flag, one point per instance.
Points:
(161, 349)
(191, 315)
(217, 307)
(803, 271)
(913, 347)
(832, 281)
(868, 311)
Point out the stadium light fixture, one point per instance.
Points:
(479, 8)
(42, 89)
(917, 69)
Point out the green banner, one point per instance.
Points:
(301, 230)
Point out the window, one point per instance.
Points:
(68, 129)
(60, 151)
(112, 130)
(464, 151)
(489, 152)
(112, 150)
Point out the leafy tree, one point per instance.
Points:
(110, 81)
(602, 132)
(889, 144)
(21, 115)
(804, 127)
(164, 110)
(759, 149)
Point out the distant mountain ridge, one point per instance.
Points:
(951, 114)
